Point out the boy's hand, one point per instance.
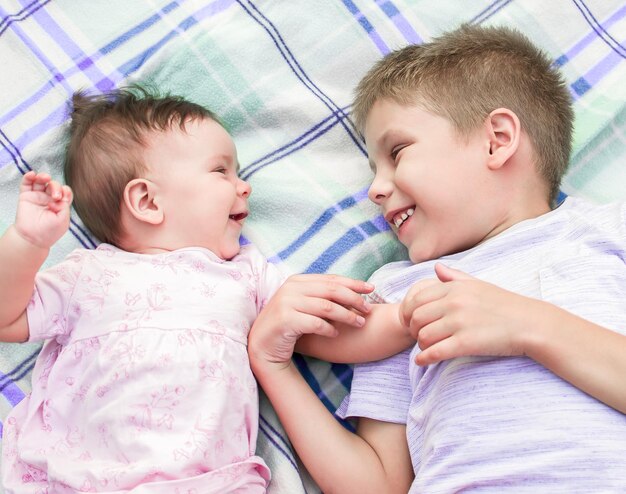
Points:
(43, 210)
(458, 315)
(305, 304)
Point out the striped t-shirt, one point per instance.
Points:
(488, 424)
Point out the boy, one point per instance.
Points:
(469, 137)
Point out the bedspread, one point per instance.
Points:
(281, 75)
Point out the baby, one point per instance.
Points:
(144, 379)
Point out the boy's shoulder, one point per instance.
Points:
(578, 212)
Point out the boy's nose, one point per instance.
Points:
(379, 190)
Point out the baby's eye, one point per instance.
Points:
(221, 170)
(395, 151)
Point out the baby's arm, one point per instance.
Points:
(42, 217)
(460, 315)
(382, 335)
(326, 317)
(377, 459)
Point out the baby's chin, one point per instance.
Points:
(228, 253)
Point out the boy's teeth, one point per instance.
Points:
(398, 220)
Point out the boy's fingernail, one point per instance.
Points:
(367, 306)
(360, 320)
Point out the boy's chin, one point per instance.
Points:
(419, 254)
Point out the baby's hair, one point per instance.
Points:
(467, 73)
(105, 151)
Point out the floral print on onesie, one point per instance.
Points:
(144, 379)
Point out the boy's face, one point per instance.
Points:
(433, 187)
(195, 172)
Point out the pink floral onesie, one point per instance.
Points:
(143, 384)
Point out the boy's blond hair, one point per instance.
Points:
(465, 74)
(106, 148)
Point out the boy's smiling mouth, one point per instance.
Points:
(397, 219)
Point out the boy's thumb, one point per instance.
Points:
(446, 273)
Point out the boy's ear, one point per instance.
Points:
(140, 200)
(504, 129)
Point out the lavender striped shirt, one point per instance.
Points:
(486, 424)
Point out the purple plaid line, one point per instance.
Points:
(589, 38)
(583, 84)
(298, 143)
(599, 29)
(295, 67)
(399, 21)
(348, 241)
(22, 165)
(26, 12)
(59, 115)
(367, 26)
(491, 10)
(319, 223)
(277, 439)
(60, 37)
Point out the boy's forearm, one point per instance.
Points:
(339, 461)
(585, 354)
(19, 262)
(382, 336)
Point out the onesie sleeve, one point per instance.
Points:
(267, 276)
(50, 302)
(380, 390)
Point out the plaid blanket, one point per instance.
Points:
(281, 75)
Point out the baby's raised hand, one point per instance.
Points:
(43, 210)
(306, 304)
(457, 315)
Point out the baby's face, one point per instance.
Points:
(195, 171)
(429, 183)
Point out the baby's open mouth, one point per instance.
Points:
(238, 216)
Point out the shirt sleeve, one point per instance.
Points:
(48, 307)
(268, 276)
(380, 390)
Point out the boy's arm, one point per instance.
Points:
(460, 315)
(382, 335)
(374, 461)
(42, 217)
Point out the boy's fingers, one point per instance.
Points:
(431, 333)
(421, 321)
(446, 273)
(421, 293)
(443, 350)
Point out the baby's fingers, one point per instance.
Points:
(34, 181)
(338, 289)
(327, 312)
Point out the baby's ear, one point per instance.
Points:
(504, 130)
(141, 201)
